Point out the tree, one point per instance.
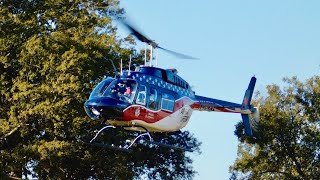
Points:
(52, 53)
(287, 143)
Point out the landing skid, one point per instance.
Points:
(142, 137)
(118, 148)
(169, 146)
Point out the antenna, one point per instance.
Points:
(129, 65)
(151, 55)
(114, 67)
(121, 67)
(157, 57)
(145, 54)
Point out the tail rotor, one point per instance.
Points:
(255, 119)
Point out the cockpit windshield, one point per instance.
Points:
(122, 89)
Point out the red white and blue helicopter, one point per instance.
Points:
(150, 99)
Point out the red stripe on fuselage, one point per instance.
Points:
(139, 112)
(197, 106)
(224, 110)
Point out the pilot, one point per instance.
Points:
(128, 91)
(152, 101)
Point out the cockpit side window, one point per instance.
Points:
(101, 87)
(141, 98)
(121, 89)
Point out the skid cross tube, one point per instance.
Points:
(151, 141)
(105, 127)
(140, 135)
(148, 140)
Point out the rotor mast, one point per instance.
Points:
(153, 53)
(153, 46)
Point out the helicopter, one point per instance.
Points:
(150, 99)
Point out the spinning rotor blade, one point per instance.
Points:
(178, 55)
(139, 36)
(144, 38)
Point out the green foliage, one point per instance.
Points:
(52, 53)
(287, 145)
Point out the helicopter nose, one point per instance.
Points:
(104, 108)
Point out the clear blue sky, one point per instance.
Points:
(234, 40)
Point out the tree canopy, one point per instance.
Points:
(52, 53)
(287, 143)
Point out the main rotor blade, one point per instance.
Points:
(144, 38)
(139, 35)
(178, 55)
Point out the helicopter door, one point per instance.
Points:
(141, 98)
(153, 96)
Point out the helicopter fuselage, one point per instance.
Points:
(149, 97)
(157, 100)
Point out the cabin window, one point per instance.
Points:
(152, 104)
(141, 98)
(151, 71)
(158, 73)
(167, 102)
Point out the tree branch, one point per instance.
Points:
(11, 132)
(275, 171)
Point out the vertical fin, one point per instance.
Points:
(246, 104)
(248, 95)
(247, 125)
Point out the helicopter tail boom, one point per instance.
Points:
(210, 104)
